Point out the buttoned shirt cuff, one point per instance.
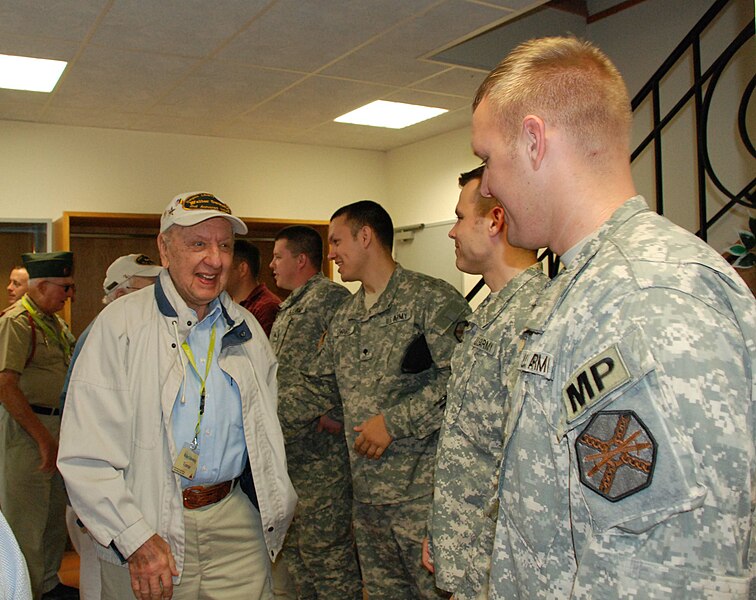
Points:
(131, 538)
(398, 420)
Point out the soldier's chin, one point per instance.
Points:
(345, 276)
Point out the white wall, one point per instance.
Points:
(48, 169)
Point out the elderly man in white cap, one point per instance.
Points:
(171, 403)
(126, 274)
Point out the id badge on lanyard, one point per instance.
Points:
(187, 460)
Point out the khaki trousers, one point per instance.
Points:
(225, 556)
(34, 503)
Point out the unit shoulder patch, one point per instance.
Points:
(616, 455)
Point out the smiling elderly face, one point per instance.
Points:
(198, 259)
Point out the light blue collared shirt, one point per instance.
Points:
(222, 448)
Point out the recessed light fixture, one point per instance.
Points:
(29, 74)
(394, 115)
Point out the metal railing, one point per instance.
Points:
(700, 93)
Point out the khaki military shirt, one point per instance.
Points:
(42, 378)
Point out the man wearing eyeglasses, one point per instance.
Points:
(35, 349)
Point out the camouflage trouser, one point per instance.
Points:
(320, 554)
(389, 542)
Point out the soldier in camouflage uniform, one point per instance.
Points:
(469, 451)
(319, 547)
(387, 351)
(628, 465)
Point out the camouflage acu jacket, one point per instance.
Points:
(391, 359)
(469, 449)
(628, 465)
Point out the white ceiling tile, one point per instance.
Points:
(458, 81)
(307, 35)
(372, 64)
(220, 90)
(36, 47)
(428, 99)
(87, 118)
(316, 100)
(14, 109)
(107, 77)
(69, 20)
(169, 124)
(184, 27)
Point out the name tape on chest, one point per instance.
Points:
(538, 363)
(397, 317)
(597, 378)
(484, 345)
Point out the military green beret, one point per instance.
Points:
(48, 264)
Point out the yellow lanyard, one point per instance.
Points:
(58, 337)
(203, 380)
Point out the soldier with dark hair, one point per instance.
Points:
(469, 449)
(386, 355)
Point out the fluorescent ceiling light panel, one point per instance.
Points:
(29, 74)
(394, 115)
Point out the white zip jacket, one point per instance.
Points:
(116, 449)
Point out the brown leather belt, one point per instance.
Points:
(201, 495)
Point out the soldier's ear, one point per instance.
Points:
(365, 235)
(498, 220)
(534, 136)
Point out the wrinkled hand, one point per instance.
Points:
(427, 562)
(329, 425)
(374, 438)
(48, 452)
(151, 568)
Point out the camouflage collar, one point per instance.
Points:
(496, 302)
(557, 287)
(298, 293)
(385, 300)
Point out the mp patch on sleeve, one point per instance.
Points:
(596, 379)
(616, 454)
